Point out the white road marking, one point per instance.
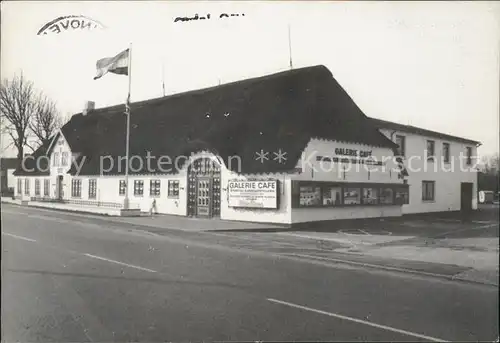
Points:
(19, 237)
(355, 320)
(120, 263)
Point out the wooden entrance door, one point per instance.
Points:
(204, 188)
(203, 197)
(466, 197)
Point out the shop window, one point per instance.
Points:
(138, 188)
(92, 188)
(370, 196)
(402, 196)
(310, 196)
(26, 186)
(154, 187)
(428, 190)
(173, 189)
(352, 196)
(430, 150)
(386, 196)
(46, 187)
(37, 187)
(332, 196)
(122, 187)
(76, 188)
(401, 142)
(446, 152)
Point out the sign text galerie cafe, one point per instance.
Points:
(334, 175)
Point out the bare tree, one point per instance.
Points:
(491, 163)
(17, 105)
(45, 120)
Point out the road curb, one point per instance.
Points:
(392, 269)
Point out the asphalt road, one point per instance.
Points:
(70, 278)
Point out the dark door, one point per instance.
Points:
(59, 187)
(466, 197)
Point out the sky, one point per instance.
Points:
(434, 65)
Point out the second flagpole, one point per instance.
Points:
(127, 143)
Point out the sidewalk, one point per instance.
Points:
(166, 221)
(478, 256)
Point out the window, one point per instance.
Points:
(402, 196)
(37, 187)
(173, 189)
(401, 142)
(64, 159)
(122, 188)
(352, 196)
(428, 190)
(76, 188)
(92, 188)
(46, 187)
(370, 196)
(55, 161)
(138, 187)
(154, 187)
(332, 196)
(19, 186)
(469, 155)
(310, 196)
(26, 186)
(386, 196)
(446, 152)
(430, 150)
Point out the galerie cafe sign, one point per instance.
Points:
(355, 156)
(253, 193)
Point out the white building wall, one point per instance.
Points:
(300, 215)
(447, 176)
(11, 182)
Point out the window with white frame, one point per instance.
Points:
(401, 142)
(154, 187)
(138, 187)
(446, 152)
(55, 159)
(122, 187)
(19, 186)
(76, 188)
(37, 187)
(469, 155)
(27, 186)
(430, 152)
(428, 190)
(64, 158)
(173, 189)
(92, 188)
(46, 187)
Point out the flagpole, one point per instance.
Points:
(127, 144)
(290, 47)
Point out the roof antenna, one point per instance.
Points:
(290, 46)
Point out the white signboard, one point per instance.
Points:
(253, 193)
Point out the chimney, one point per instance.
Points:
(89, 106)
